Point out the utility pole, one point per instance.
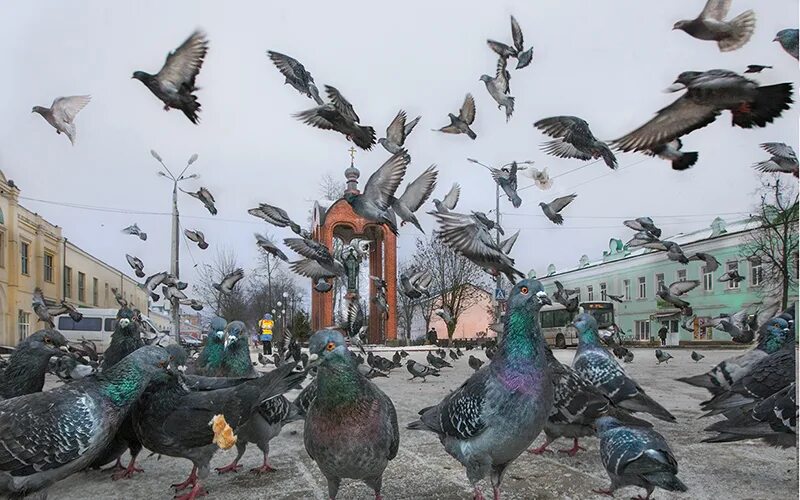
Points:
(174, 268)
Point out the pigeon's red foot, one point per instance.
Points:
(116, 467)
(574, 450)
(231, 467)
(127, 472)
(607, 492)
(197, 491)
(540, 450)
(190, 481)
(496, 490)
(477, 494)
(263, 469)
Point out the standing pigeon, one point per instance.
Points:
(460, 124)
(397, 131)
(635, 456)
(788, 39)
(524, 57)
(134, 230)
(268, 246)
(295, 74)
(711, 25)
(672, 151)
(507, 180)
(551, 210)
(497, 413)
(196, 236)
(437, 362)
(136, 264)
(417, 192)
(125, 339)
(374, 202)
(48, 436)
(28, 363)
(318, 263)
(708, 94)
(351, 426)
(205, 196)
(338, 114)
(229, 281)
(662, 357)
(450, 200)
(783, 159)
(498, 87)
(174, 84)
(756, 68)
(474, 363)
(209, 362)
(599, 367)
(420, 370)
(696, 356)
(62, 112)
(278, 217)
(573, 139)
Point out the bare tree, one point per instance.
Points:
(229, 306)
(775, 243)
(330, 187)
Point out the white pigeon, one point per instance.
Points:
(62, 112)
(540, 177)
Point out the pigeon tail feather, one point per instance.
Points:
(769, 103)
(742, 26)
(665, 480)
(644, 403)
(685, 161)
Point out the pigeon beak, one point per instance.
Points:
(228, 341)
(775, 39)
(124, 322)
(220, 334)
(182, 368)
(64, 348)
(543, 298)
(675, 87)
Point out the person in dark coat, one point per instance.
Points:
(662, 334)
(433, 338)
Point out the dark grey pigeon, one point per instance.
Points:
(295, 74)
(136, 264)
(501, 49)
(29, 361)
(460, 124)
(783, 159)
(48, 436)
(268, 246)
(174, 84)
(450, 200)
(733, 276)
(696, 356)
(506, 178)
(498, 87)
(788, 38)
(671, 151)
(573, 139)
(205, 196)
(278, 217)
(397, 131)
(756, 68)
(61, 114)
(711, 262)
(662, 357)
(674, 251)
(46, 314)
(437, 362)
(197, 237)
(711, 25)
(675, 291)
(708, 94)
(229, 281)
(496, 414)
(374, 202)
(415, 284)
(417, 192)
(134, 230)
(474, 363)
(551, 210)
(486, 222)
(643, 224)
(524, 57)
(318, 263)
(338, 114)
(635, 456)
(420, 370)
(322, 286)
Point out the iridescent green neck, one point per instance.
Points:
(521, 338)
(211, 355)
(123, 383)
(236, 361)
(339, 382)
(588, 336)
(774, 342)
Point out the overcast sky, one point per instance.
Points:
(605, 61)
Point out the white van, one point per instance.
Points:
(97, 325)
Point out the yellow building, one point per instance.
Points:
(34, 253)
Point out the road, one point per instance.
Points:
(422, 470)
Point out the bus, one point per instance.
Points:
(556, 322)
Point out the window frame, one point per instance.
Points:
(67, 282)
(707, 286)
(2, 249)
(81, 287)
(48, 271)
(658, 281)
(642, 285)
(626, 289)
(24, 258)
(678, 275)
(603, 292)
(590, 293)
(95, 292)
(23, 324)
(639, 330)
(732, 284)
(756, 264)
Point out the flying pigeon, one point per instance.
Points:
(295, 74)
(374, 202)
(417, 192)
(788, 39)
(641, 239)
(507, 180)
(205, 196)
(474, 362)
(674, 251)
(643, 224)
(61, 114)
(573, 139)
(322, 286)
(170, 293)
(193, 303)
(662, 357)
(397, 131)
(756, 68)
(268, 246)
(318, 263)
(119, 297)
(711, 25)
(524, 57)
(460, 124)
(616, 298)
(355, 325)
(551, 210)
(733, 276)
(278, 217)
(707, 95)
(174, 84)
(711, 262)
(450, 200)
(486, 222)
(229, 281)
(672, 151)
(489, 421)
(46, 313)
(151, 282)
(498, 87)
(696, 356)
(416, 284)
(420, 370)
(196, 236)
(338, 114)
(136, 264)
(134, 230)
(673, 293)
(541, 178)
(783, 159)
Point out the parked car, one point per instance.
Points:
(97, 325)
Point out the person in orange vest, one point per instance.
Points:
(265, 325)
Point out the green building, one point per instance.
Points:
(636, 274)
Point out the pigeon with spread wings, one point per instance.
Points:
(318, 263)
(61, 114)
(711, 25)
(466, 116)
(783, 159)
(296, 75)
(417, 192)
(573, 139)
(338, 114)
(374, 203)
(397, 131)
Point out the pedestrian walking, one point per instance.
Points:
(265, 325)
(662, 334)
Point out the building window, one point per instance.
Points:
(642, 330)
(2, 249)
(681, 274)
(590, 292)
(23, 324)
(105, 297)
(708, 279)
(603, 292)
(626, 287)
(24, 248)
(756, 272)
(659, 281)
(48, 267)
(81, 287)
(67, 282)
(642, 287)
(732, 266)
(95, 291)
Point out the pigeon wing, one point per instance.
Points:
(311, 269)
(182, 65)
(681, 287)
(516, 35)
(559, 126)
(459, 415)
(779, 149)
(467, 112)
(716, 9)
(418, 191)
(502, 76)
(310, 249)
(563, 149)
(559, 203)
(65, 108)
(290, 67)
(382, 184)
(341, 104)
(396, 131)
(451, 199)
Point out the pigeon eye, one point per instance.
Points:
(331, 346)
(47, 340)
(523, 290)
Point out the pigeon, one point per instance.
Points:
(61, 114)
(619, 351)
(788, 38)
(403, 353)
(662, 357)
(415, 285)
(46, 313)
(696, 356)
(172, 281)
(467, 237)
(351, 425)
(121, 301)
(598, 366)
(501, 49)
(711, 263)
(474, 362)
(643, 224)
(460, 124)
(672, 151)
(628, 357)
(486, 222)
(397, 131)
(29, 361)
(562, 296)
(616, 298)
(134, 230)
(552, 210)
(196, 236)
(374, 202)
(672, 294)
(756, 68)
(169, 293)
(524, 57)
(437, 362)
(498, 88)
(225, 287)
(496, 414)
(507, 180)
(370, 373)
(711, 25)
(635, 456)
(417, 192)
(507, 244)
(296, 75)
(708, 94)
(193, 303)
(397, 359)
(205, 196)
(420, 370)
(136, 264)
(783, 159)
(318, 262)
(338, 114)
(573, 139)
(674, 251)
(356, 325)
(450, 200)
(209, 362)
(49, 436)
(278, 217)
(268, 246)
(452, 355)
(69, 368)
(641, 239)
(174, 84)
(322, 286)
(733, 276)
(151, 282)
(541, 178)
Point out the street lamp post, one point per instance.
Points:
(174, 269)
